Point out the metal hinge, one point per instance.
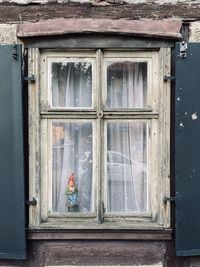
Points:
(15, 52)
(170, 199)
(170, 78)
(30, 78)
(33, 202)
(183, 49)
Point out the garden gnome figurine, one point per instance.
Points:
(72, 194)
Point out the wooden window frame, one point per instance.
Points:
(160, 112)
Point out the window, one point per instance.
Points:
(102, 123)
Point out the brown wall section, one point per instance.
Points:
(35, 12)
(93, 253)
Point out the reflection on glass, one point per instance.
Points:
(72, 167)
(127, 167)
(71, 84)
(126, 84)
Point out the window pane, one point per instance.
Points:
(127, 167)
(71, 84)
(126, 84)
(72, 167)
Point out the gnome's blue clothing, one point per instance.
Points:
(72, 197)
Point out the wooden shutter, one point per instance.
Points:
(12, 208)
(187, 151)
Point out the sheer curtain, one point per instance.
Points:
(71, 84)
(72, 140)
(127, 140)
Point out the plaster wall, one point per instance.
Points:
(8, 33)
(195, 31)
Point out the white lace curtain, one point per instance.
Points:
(72, 153)
(126, 140)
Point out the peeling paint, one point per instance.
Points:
(194, 116)
(181, 125)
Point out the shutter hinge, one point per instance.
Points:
(183, 49)
(15, 52)
(170, 199)
(31, 202)
(171, 78)
(30, 78)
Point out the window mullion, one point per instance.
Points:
(99, 148)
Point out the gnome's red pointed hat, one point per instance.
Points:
(71, 180)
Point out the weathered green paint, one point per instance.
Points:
(12, 210)
(187, 149)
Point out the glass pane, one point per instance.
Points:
(127, 167)
(71, 84)
(126, 84)
(72, 163)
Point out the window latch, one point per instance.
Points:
(170, 78)
(100, 114)
(170, 199)
(33, 202)
(30, 78)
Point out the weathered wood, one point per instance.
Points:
(95, 41)
(104, 253)
(43, 253)
(34, 135)
(154, 28)
(34, 12)
(99, 235)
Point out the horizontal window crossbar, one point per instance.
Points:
(106, 115)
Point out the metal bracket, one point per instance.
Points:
(30, 78)
(183, 48)
(31, 202)
(170, 199)
(170, 78)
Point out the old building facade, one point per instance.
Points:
(114, 139)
